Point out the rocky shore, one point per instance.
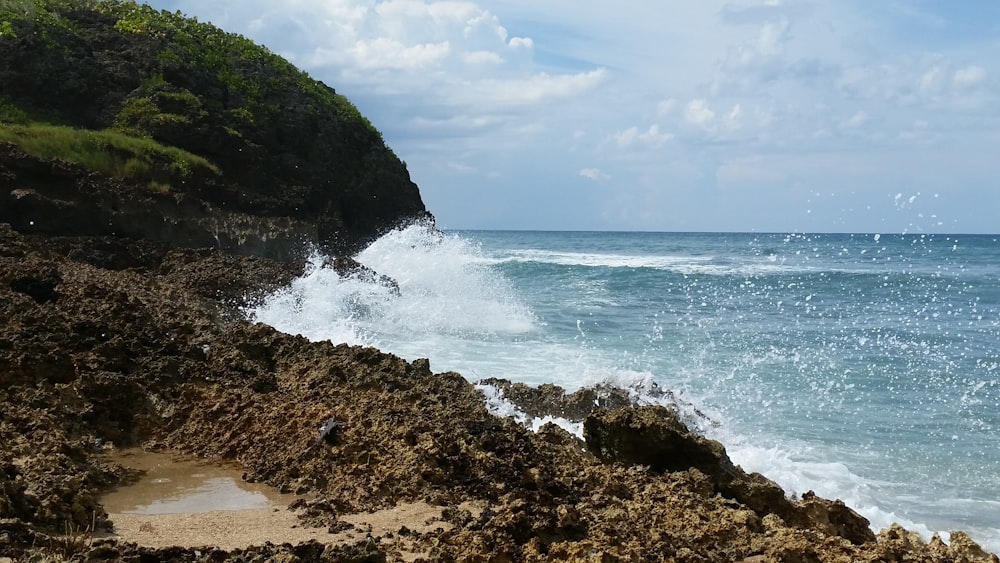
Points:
(114, 343)
(121, 326)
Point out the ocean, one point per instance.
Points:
(864, 367)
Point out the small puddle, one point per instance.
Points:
(173, 484)
(180, 501)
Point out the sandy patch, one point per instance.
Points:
(187, 502)
(239, 529)
(224, 529)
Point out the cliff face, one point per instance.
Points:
(274, 145)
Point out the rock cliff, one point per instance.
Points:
(220, 142)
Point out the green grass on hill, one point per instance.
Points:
(258, 84)
(108, 152)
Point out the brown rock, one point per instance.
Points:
(835, 518)
(964, 550)
(653, 436)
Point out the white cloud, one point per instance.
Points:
(482, 57)
(538, 88)
(767, 45)
(933, 79)
(666, 107)
(485, 21)
(391, 54)
(437, 14)
(594, 174)
(458, 123)
(969, 77)
(632, 136)
(734, 117)
(462, 168)
(772, 38)
(698, 113)
(521, 43)
(353, 38)
(855, 121)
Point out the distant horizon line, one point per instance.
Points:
(793, 232)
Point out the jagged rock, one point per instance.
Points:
(39, 286)
(835, 518)
(654, 436)
(146, 357)
(347, 267)
(897, 540)
(964, 550)
(552, 400)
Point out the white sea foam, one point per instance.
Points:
(445, 291)
(798, 474)
(321, 306)
(685, 265)
(499, 405)
(605, 260)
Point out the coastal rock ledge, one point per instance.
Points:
(123, 281)
(95, 359)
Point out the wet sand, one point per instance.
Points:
(193, 503)
(173, 484)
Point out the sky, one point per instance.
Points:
(665, 115)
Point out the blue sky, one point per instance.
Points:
(764, 115)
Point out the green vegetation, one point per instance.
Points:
(41, 13)
(196, 81)
(126, 152)
(229, 56)
(12, 113)
(144, 116)
(108, 152)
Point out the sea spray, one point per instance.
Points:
(863, 369)
(499, 405)
(446, 291)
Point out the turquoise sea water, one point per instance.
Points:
(864, 367)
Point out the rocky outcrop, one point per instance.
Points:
(654, 436)
(295, 161)
(110, 343)
(347, 267)
(55, 198)
(552, 400)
